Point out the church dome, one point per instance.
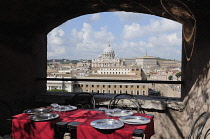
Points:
(108, 49)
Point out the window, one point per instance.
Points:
(145, 59)
(115, 92)
(137, 92)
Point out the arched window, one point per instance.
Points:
(149, 46)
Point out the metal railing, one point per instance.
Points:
(109, 80)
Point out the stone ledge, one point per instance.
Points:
(146, 102)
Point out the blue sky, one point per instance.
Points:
(129, 34)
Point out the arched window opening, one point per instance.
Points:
(145, 47)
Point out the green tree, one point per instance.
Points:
(170, 77)
(57, 90)
(178, 75)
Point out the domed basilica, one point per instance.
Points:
(107, 59)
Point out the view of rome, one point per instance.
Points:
(92, 47)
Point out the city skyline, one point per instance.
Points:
(130, 35)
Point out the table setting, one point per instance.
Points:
(40, 122)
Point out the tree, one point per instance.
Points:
(57, 90)
(178, 75)
(170, 77)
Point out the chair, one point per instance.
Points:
(83, 100)
(5, 118)
(207, 134)
(199, 124)
(124, 100)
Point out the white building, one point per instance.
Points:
(120, 71)
(129, 61)
(108, 59)
(61, 85)
(146, 61)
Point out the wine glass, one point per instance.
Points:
(109, 113)
(54, 106)
(117, 112)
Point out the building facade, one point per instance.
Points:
(166, 64)
(107, 59)
(129, 61)
(112, 88)
(60, 85)
(146, 61)
(120, 71)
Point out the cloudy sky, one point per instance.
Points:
(129, 34)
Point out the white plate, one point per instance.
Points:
(135, 120)
(43, 117)
(119, 113)
(65, 108)
(107, 124)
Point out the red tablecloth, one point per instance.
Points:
(24, 128)
(85, 131)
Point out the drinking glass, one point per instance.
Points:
(109, 113)
(54, 106)
(103, 109)
(117, 112)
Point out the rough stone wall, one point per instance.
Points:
(23, 60)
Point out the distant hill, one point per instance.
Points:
(66, 61)
(163, 59)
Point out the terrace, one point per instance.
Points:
(24, 26)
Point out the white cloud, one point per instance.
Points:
(94, 17)
(155, 27)
(103, 35)
(163, 25)
(55, 40)
(132, 31)
(166, 40)
(55, 36)
(56, 51)
(160, 38)
(88, 42)
(128, 16)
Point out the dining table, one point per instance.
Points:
(24, 127)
